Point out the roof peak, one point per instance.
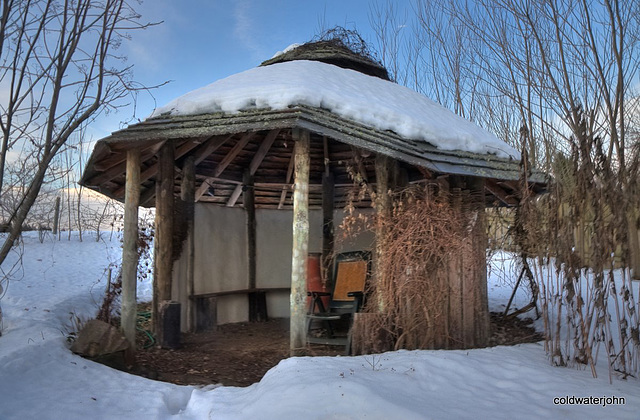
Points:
(332, 51)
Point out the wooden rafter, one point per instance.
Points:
(362, 170)
(255, 163)
(152, 170)
(224, 163)
(209, 146)
(495, 189)
(287, 186)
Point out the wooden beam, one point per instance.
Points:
(233, 198)
(328, 204)
(327, 160)
(225, 162)
(255, 163)
(257, 300)
(163, 241)
(362, 170)
(476, 323)
(300, 248)
(383, 210)
(130, 247)
(250, 210)
(500, 193)
(210, 146)
(286, 188)
(152, 170)
(187, 195)
(263, 150)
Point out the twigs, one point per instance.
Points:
(418, 237)
(586, 291)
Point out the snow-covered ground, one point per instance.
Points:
(41, 379)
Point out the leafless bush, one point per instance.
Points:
(407, 303)
(578, 235)
(110, 304)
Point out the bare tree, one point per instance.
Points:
(555, 78)
(58, 64)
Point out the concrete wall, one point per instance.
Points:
(221, 257)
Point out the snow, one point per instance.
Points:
(286, 50)
(41, 378)
(371, 101)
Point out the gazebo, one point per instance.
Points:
(251, 173)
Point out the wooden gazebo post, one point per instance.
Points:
(300, 249)
(130, 245)
(163, 241)
(187, 195)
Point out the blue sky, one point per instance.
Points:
(203, 41)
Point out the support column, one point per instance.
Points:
(130, 247)
(163, 241)
(300, 242)
(328, 193)
(383, 209)
(188, 196)
(257, 300)
(468, 312)
(477, 324)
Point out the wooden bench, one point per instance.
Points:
(206, 305)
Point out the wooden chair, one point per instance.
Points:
(350, 275)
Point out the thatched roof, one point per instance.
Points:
(332, 52)
(225, 145)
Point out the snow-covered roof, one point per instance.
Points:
(368, 100)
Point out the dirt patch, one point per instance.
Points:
(240, 354)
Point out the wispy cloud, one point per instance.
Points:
(244, 27)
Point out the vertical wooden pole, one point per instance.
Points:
(383, 208)
(163, 258)
(455, 276)
(188, 196)
(248, 200)
(300, 242)
(479, 323)
(328, 193)
(130, 246)
(257, 300)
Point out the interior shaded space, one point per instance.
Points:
(240, 354)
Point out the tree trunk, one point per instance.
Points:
(56, 216)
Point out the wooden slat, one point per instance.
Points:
(241, 292)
